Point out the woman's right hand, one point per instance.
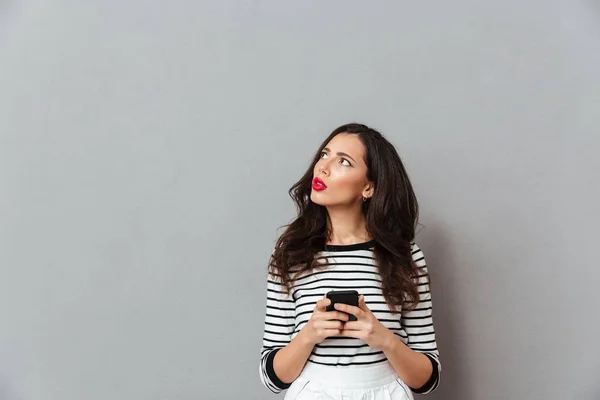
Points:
(323, 324)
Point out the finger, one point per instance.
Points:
(329, 325)
(354, 326)
(335, 315)
(332, 332)
(330, 316)
(361, 303)
(351, 334)
(357, 312)
(322, 304)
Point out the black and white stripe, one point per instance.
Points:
(349, 267)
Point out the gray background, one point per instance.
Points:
(146, 149)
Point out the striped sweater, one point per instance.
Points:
(349, 267)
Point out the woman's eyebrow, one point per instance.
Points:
(339, 153)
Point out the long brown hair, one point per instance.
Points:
(391, 216)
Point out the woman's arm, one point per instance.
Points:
(289, 361)
(278, 329)
(417, 362)
(414, 368)
(283, 358)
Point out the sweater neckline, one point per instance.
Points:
(350, 247)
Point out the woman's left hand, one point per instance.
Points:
(367, 327)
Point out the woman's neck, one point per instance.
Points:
(347, 227)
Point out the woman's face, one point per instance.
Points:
(340, 176)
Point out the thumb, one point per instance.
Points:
(361, 303)
(322, 304)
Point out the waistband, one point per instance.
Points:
(350, 377)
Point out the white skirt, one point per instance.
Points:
(376, 382)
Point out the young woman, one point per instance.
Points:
(355, 228)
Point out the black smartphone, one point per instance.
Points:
(343, 296)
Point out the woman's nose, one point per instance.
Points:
(323, 168)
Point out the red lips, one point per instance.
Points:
(318, 184)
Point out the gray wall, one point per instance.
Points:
(146, 148)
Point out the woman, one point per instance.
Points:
(355, 229)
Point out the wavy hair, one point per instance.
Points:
(391, 217)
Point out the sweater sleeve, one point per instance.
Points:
(278, 329)
(418, 324)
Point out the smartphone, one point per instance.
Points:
(343, 296)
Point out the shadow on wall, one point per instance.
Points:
(439, 250)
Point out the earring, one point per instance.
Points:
(364, 199)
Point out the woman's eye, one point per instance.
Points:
(323, 154)
(346, 161)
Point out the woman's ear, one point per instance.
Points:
(368, 191)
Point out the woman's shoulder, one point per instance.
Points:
(414, 247)
(417, 254)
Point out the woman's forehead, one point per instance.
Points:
(347, 143)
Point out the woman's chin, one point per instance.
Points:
(316, 198)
